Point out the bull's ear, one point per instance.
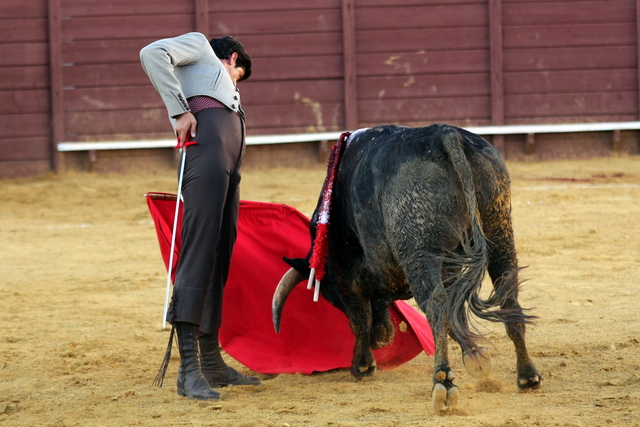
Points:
(300, 264)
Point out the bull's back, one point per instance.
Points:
(399, 180)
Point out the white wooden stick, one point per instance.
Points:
(173, 240)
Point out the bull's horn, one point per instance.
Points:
(289, 281)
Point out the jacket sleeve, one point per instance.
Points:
(159, 60)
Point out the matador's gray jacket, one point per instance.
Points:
(186, 66)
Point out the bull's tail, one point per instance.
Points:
(466, 269)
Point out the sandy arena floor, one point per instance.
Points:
(83, 286)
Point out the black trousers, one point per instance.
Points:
(211, 196)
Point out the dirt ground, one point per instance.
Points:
(83, 287)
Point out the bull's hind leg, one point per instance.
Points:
(431, 297)
(478, 361)
(504, 273)
(528, 376)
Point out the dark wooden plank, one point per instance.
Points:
(164, 133)
(23, 169)
(128, 50)
(82, 8)
(583, 104)
(300, 67)
(102, 75)
(25, 125)
(570, 35)
(422, 16)
(424, 86)
(568, 13)
(111, 98)
(24, 101)
(19, 9)
(276, 22)
(283, 93)
(265, 69)
(407, 64)
(24, 78)
(12, 54)
(596, 118)
(313, 116)
(423, 39)
(543, 3)
(426, 122)
(117, 75)
(126, 7)
(110, 51)
(144, 95)
(578, 58)
(35, 148)
(23, 30)
(382, 3)
(272, 5)
(82, 125)
(127, 27)
(402, 110)
(284, 130)
(268, 45)
(237, 24)
(288, 91)
(578, 81)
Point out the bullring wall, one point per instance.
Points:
(69, 71)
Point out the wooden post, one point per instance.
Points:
(497, 82)
(55, 82)
(638, 51)
(349, 60)
(201, 10)
(617, 141)
(531, 140)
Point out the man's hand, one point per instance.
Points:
(185, 125)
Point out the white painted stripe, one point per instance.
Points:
(333, 136)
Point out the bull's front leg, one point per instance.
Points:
(359, 312)
(382, 330)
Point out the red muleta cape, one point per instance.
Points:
(315, 336)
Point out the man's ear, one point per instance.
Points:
(233, 58)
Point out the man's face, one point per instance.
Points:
(236, 73)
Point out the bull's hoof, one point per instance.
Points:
(445, 394)
(360, 372)
(382, 335)
(530, 383)
(445, 400)
(478, 364)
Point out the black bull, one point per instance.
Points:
(422, 213)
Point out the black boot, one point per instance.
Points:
(191, 383)
(214, 368)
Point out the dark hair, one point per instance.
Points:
(224, 48)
